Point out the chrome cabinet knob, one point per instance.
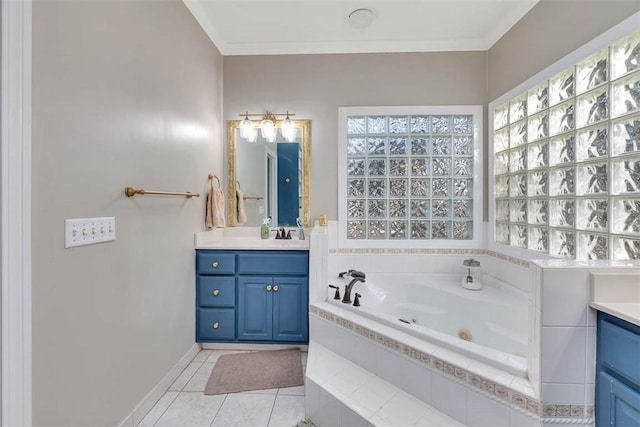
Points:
(275, 288)
(268, 288)
(216, 293)
(216, 325)
(215, 264)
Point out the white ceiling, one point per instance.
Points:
(261, 27)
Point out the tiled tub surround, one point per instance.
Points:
(561, 347)
(460, 387)
(564, 332)
(434, 307)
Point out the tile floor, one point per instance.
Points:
(185, 404)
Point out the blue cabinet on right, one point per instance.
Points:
(618, 372)
(273, 297)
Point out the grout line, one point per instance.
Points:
(272, 407)
(218, 411)
(188, 380)
(166, 409)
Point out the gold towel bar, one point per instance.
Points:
(252, 198)
(130, 192)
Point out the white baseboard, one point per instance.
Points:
(140, 411)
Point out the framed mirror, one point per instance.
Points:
(271, 177)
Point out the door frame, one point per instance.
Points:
(15, 214)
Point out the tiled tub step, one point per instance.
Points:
(340, 393)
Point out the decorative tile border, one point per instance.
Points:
(567, 411)
(574, 414)
(389, 251)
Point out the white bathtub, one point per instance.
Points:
(439, 309)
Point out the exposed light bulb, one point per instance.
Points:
(288, 129)
(246, 127)
(252, 135)
(268, 130)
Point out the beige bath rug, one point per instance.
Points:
(257, 370)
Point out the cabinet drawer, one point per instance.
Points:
(216, 291)
(214, 262)
(216, 324)
(619, 348)
(273, 262)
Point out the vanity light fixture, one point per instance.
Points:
(268, 129)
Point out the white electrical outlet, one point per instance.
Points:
(87, 231)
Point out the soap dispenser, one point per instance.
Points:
(264, 230)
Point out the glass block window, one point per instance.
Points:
(410, 177)
(567, 160)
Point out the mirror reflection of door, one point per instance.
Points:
(272, 186)
(288, 183)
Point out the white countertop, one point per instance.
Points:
(628, 311)
(247, 238)
(617, 294)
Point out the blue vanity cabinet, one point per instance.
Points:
(273, 296)
(215, 296)
(617, 372)
(252, 296)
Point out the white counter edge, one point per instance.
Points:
(627, 311)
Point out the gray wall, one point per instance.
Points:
(124, 93)
(314, 86)
(551, 30)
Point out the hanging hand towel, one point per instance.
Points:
(208, 215)
(217, 207)
(242, 214)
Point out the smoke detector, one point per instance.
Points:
(360, 18)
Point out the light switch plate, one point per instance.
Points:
(88, 231)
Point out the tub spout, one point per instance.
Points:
(352, 273)
(356, 273)
(347, 289)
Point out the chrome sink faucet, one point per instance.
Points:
(347, 289)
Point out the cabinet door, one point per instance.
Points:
(290, 309)
(618, 405)
(255, 308)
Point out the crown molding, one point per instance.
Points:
(198, 11)
(309, 48)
